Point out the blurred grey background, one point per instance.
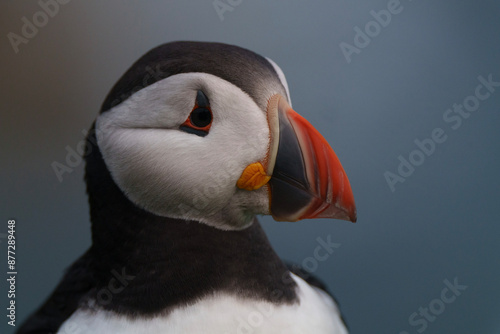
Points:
(440, 224)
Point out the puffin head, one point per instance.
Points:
(206, 132)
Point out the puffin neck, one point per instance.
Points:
(170, 262)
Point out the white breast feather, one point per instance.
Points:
(222, 314)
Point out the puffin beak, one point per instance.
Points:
(304, 175)
(307, 179)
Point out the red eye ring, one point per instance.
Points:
(199, 119)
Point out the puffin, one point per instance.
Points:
(191, 144)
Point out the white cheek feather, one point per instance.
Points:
(177, 174)
(222, 314)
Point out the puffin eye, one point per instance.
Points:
(200, 119)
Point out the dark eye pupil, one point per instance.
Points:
(201, 117)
